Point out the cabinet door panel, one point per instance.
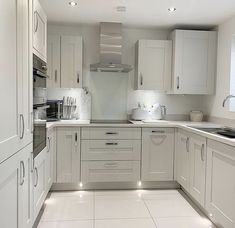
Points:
(9, 191)
(220, 189)
(40, 30)
(39, 182)
(68, 155)
(182, 159)
(53, 61)
(71, 62)
(157, 154)
(154, 64)
(25, 195)
(194, 63)
(9, 79)
(198, 168)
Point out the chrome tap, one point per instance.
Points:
(227, 98)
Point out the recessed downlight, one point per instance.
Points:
(172, 9)
(72, 3)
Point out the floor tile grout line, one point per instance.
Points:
(149, 212)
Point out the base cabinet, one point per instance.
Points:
(157, 154)
(197, 157)
(40, 186)
(15, 195)
(68, 155)
(182, 159)
(220, 186)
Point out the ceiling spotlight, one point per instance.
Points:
(72, 3)
(172, 9)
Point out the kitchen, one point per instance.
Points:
(112, 119)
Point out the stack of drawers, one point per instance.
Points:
(110, 154)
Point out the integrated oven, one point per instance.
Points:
(39, 104)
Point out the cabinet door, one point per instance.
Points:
(25, 76)
(40, 30)
(71, 62)
(49, 160)
(198, 168)
(154, 64)
(25, 195)
(40, 188)
(194, 61)
(220, 185)
(53, 61)
(182, 159)
(68, 155)
(9, 121)
(9, 191)
(157, 154)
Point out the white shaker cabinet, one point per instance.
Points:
(197, 156)
(53, 61)
(16, 78)
(220, 183)
(40, 183)
(39, 31)
(153, 65)
(71, 62)
(15, 195)
(157, 154)
(49, 163)
(194, 61)
(182, 159)
(68, 155)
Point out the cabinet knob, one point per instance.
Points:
(178, 83)
(78, 78)
(141, 79)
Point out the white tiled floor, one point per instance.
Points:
(120, 209)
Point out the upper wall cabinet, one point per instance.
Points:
(153, 65)
(194, 61)
(64, 61)
(53, 61)
(39, 31)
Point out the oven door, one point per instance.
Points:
(39, 136)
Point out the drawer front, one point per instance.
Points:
(110, 171)
(110, 133)
(111, 150)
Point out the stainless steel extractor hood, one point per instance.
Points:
(110, 49)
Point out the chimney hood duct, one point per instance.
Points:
(110, 49)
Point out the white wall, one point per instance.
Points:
(226, 31)
(116, 107)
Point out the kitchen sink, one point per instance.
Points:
(226, 132)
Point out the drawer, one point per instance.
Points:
(110, 133)
(110, 171)
(111, 150)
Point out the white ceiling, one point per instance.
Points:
(141, 13)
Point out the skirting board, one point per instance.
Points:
(115, 186)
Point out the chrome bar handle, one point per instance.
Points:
(49, 144)
(36, 171)
(55, 75)
(158, 131)
(141, 79)
(111, 144)
(22, 173)
(202, 152)
(78, 78)
(178, 82)
(36, 15)
(187, 144)
(21, 124)
(111, 133)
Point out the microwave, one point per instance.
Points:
(54, 110)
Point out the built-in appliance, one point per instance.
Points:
(110, 49)
(55, 110)
(39, 104)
